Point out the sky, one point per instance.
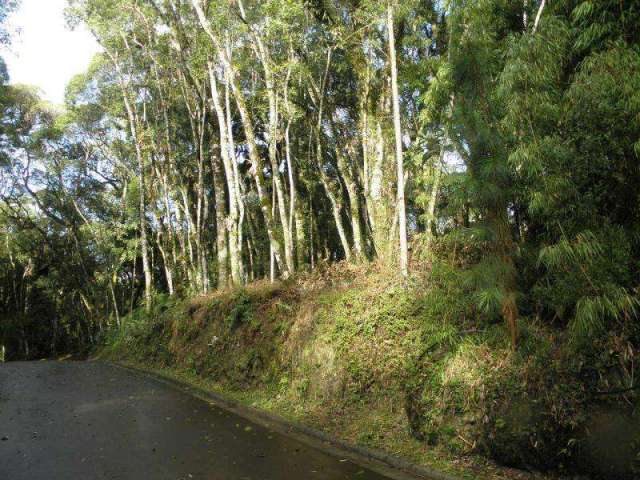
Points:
(45, 53)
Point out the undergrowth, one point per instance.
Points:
(420, 372)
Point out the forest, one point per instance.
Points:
(464, 171)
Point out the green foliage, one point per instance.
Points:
(241, 311)
(521, 146)
(591, 282)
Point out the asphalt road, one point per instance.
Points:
(89, 420)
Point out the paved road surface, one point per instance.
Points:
(89, 420)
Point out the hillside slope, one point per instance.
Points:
(408, 370)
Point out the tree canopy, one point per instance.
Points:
(214, 143)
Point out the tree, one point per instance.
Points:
(397, 127)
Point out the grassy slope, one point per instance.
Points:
(354, 354)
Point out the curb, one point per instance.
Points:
(381, 460)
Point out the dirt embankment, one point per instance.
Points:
(412, 371)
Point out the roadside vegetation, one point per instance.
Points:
(413, 224)
(409, 370)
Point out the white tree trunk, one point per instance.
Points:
(402, 214)
(247, 123)
(233, 226)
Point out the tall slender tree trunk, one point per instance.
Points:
(350, 181)
(166, 261)
(333, 196)
(433, 198)
(336, 210)
(236, 173)
(376, 208)
(272, 256)
(221, 229)
(280, 199)
(114, 299)
(539, 16)
(296, 222)
(301, 237)
(189, 234)
(273, 131)
(132, 116)
(354, 206)
(397, 126)
(233, 226)
(144, 245)
(257, 166)
(275, 170)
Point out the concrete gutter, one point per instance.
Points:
(379, 461)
